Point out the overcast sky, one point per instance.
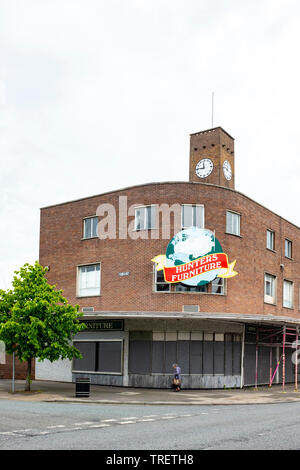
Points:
(98, 95)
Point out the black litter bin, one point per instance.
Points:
(83, 387)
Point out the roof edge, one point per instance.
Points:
(167, 182)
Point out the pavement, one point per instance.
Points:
(49, 391)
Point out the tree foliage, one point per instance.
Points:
(36, 321)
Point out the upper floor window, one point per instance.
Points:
(89, 280)
(184, 288)
(233, 223)
(192, 216)
(217, 286)
(145, 217)
(270, 289)
(90, 227)
(160, 284)
(270, 240)
(288, 294)
(287, 248)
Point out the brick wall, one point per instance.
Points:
(20, 369)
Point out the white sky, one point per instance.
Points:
(96, 95)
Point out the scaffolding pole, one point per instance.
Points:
(256, 359)
(271, 361)
(283, 358)
(296, 362)
(283, 338)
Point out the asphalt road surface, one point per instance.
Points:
(57, 426)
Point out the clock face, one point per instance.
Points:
(204, 168)
(227, 170)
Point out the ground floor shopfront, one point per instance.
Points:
(212, 353)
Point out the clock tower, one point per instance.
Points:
(212, 157)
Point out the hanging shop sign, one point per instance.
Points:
(104, 325)
(194, 257)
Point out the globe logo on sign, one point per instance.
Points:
(194, 257)
(189, 245)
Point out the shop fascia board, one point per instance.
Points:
(236, 317)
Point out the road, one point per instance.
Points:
(32, 426)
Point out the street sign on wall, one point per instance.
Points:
(104, 325)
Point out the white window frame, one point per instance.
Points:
(270, 299)
(92, 217)
(290, 303)
(222, 285)
(270, 239)
(79, 267)
(288, 248)
(230, 228)
(146, 217)
(193, 206)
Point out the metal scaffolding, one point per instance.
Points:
(283, 337)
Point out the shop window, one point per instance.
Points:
(288, 294)
(103, 357)
(196, 352)
(270, 289)
(88, 361)
(192, 216)
(270, 240)
(233, 223)
(219, 354)
(145, 217)
(89, 280)
(90, 227)
(287, 248)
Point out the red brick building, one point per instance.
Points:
(227, 332)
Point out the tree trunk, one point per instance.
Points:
(28, 377)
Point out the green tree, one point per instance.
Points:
(36, 321)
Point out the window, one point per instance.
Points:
(196, 352)
(145, 218)
(217, 286)
(183, 288)
(288, 294)
(89, 280)
(192, 216)
(90, 227)
(160, 284)
(270, 240)
(233, 223)
(104, 357)
(287, 248)
(270, 288)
